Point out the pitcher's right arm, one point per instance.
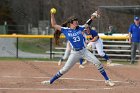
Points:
(54, 24)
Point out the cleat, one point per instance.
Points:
(81, 66)
(85, 62)
(45, 82)
(109, 62)
(60, 62)
(110, 83)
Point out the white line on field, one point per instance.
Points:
(54, 89)
(83, 79)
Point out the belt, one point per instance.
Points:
(78, 49)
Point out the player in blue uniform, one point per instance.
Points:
(134, 38)
(95, 41)
(68, 46)
(74, 34)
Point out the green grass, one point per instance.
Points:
(28, 59)
(34, 45)
(12, 59)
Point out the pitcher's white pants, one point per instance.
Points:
(76, 55)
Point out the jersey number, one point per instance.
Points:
(76, 39)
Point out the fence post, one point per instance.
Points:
(17, 48)
(50, 48)
(5, 28)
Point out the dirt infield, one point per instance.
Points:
(25, 77)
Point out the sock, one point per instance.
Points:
(81, 61)
(106, 57)
(102, 71)
(58, 74)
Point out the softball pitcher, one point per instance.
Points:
(76, 38)
(68, 47)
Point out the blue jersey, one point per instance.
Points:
(75, 36)
(135, 31)
(92, 34)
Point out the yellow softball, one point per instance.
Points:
(53, 10)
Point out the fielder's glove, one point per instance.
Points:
(95, 15)
(89, 47)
